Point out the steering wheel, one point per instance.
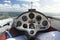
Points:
(31, 21)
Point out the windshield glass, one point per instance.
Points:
(12, 8)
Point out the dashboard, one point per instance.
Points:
(31, 21)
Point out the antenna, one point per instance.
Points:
(31, 4)
(31, 10)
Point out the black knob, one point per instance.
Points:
(25, 25)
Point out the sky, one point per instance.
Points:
(49, 6)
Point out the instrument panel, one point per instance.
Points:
(32, 21)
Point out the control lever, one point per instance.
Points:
(6, 24)
(4, 28)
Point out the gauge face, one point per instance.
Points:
(31, 26)
(19, 23)
(25, 25)
(31, 15)
(24, 18)
(31, 32)
(44, 23)
(38, 18)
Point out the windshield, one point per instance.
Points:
(12, 8)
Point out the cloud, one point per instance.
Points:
(51, 8)
(17, 7)
(56, 1)
(7, 7)
(36, 4)
(7, 1)
(54, 8)
(13, 8)
(29, 0)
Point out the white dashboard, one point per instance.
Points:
(32, 21)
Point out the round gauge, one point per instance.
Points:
(44, 23)
(25, 25)
(38, 18)
(31, 32)
(19, 23)
(31, 15)
(24, 18)
(31, 26)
